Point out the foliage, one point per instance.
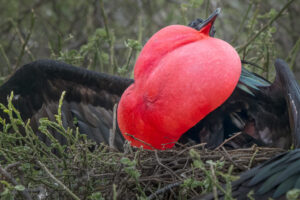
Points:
(107, 36)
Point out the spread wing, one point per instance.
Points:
(88, 103)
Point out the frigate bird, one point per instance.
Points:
(256, 107)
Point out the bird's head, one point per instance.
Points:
(181, 75)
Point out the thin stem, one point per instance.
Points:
(242, 24)
(110, 36)
(239, 49)
(206, 8)
(74, 196)
(293, 54)
(112, 131)
(24, 193)
(25, 42)
(104, 18)
(5, 56)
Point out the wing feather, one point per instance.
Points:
(90, 97)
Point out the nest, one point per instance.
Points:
(174, 173)
(180, 173)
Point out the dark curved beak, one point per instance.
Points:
(206, 26)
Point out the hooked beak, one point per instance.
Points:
(206, 26)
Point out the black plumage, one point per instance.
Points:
(90, 97)
(262, 114)
(272, 179)
(257, 108)
(280, 174)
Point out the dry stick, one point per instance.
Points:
(230, 159)
(191, 147)
(112, 131)
(24, 193)
(140, 140)
(242, 47)
(12, 165)
(164, 189)
(57, 181)
(164, 166)
(228, 139)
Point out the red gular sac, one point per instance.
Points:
(181, 75)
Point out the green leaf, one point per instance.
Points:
(20, 187)
(293, 194)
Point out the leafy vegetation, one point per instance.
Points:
(107, 36)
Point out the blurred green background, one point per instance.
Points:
(107, 35)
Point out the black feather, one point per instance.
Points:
(90, 97)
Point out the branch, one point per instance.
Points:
(24, 193)
(57, 181)
(242, 47)
(112, 131)
(164, 166)
(25, 42)
(164, 189)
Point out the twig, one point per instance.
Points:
(237, 33)
(115, 194)
(164, 189)
(206, 8)
(25, 42)
(12, 165)
(191, 147)
(242, 47)
(230, 159)
(228, 139)
(57, 181)
(110, 36)
(213, 174)
(293, 54)
(251, 63)
(140, 140)
(5, 57)
(24, 193)
(112, 131)
(104, 18)
(252, 158)
(164, 166)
